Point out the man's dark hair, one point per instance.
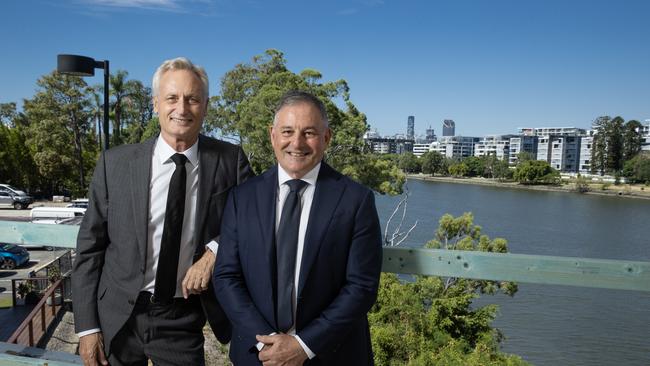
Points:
(298, 96)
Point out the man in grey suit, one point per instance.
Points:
(147, 245)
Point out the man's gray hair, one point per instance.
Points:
(180, 63)
(298, 96)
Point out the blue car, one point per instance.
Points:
(12, 256)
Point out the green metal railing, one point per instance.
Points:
(551, 270)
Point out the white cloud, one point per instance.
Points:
(146, 4)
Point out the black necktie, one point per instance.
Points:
(286, 248)
(170, 243)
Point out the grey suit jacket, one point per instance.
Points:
(108, 272)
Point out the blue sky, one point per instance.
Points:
(491, 65)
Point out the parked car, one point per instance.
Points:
(12, 256)
(49, 215)
(10, 196)
(78, 203)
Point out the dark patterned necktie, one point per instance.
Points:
(170, 244)
(286, 248)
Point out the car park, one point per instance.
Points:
(13, 197)
(12, 256)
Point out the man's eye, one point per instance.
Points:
(287, 133)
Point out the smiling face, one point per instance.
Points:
(181, 106)
(299, 137)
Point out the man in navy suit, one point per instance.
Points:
(334, 252)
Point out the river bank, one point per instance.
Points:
(636, 191)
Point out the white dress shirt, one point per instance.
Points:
(306, 199)
(162, 168)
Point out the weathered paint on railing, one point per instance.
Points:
(585, 272)
(549, 270)
(18, 232)
(18, 355)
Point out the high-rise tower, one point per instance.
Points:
(410, 128)
(448, 127)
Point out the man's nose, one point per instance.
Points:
(182, 105)
(297, 139)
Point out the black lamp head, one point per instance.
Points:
(75, 65)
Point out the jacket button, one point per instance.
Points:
(142, 269)
(131, 302)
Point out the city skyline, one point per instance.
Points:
(490, 66)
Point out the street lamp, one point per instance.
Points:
(85, 66)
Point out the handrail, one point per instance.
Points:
(549, 270)
(27, 324)
(555, 270)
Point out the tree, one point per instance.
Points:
(608, 145)
(458, 170)
(460, 233)
(120, 90)
(7, 113)
(536, 172)
(58, 122)
(525, 156)
(632, 139)
(431, 321)
(432, 162)
(637, 169)
(244, 109)
(138, 111)
(501, 170)
(475, 166)
(409, 163)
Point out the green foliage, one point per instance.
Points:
(615, 142)
(58, 128)
(430, 321)
(409, 163)
(458, 170)
(460, 233)
(637, 169)
(432, 162)
(475, 166)
(18, 167)
(245, 106)
(536, 172)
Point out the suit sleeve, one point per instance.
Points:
(229, 282)
(244, 170)
(91, 246)
(359, 292)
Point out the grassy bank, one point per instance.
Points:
(637, 191)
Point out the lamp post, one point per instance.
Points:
(85, 66)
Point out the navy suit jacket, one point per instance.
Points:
(339, 274)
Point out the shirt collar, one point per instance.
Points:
(310, 177)
(163, 152)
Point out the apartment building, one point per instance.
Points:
(497, 145)
(458, 147)
(519, 144)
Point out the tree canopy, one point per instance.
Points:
(244, 110)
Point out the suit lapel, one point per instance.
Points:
(328, 192)
(140, 168)
(266, 200)
(208, 163)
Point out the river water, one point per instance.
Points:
(549, 324)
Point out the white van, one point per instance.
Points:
(50, 215)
